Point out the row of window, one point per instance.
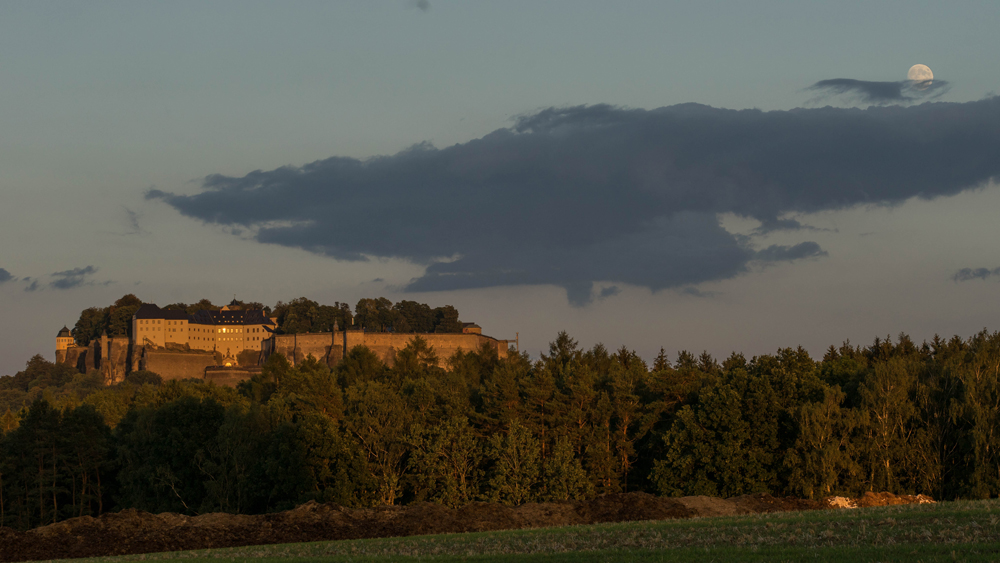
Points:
(222, 338)
(223, 330)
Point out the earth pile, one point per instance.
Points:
(132, 531)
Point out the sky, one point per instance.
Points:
(719, 176)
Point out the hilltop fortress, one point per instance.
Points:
(230, 345)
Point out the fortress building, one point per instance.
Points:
(230, 345)
(230, 331)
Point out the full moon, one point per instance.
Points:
(920, 73)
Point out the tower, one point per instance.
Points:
(63, 341)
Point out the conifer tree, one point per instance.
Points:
(515, 466)
(444, 462)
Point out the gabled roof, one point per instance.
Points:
(252, 317)
(235, 317)
(148, 311)
(64, 333)
(202, 318)
(257, 317)
(151, 311)
(228, 317)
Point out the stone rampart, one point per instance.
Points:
(248, 358)
(327, 347)
(330, 348)
(446, 345)
(178, 365)
(114, 356)
(230, 376)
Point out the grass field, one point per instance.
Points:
(952, 531)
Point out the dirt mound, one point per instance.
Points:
(766, 503)
(746, 504)
(710, 506)
(631, 507)
(132, 531)
(889, 499)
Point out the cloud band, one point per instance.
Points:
(576, 195)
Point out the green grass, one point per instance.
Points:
(953, 531)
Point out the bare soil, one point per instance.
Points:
(132, 531)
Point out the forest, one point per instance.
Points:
(575, 423)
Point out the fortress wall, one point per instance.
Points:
(446, 345)
(284, 344)
(229, 377)
(330, 347)
(317, 344)
(248, 358)
(353, 338)
(321, 345)
(178, 365)
(336, 349)
(386, 344)
(135, 358)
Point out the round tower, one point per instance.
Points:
(63, 342)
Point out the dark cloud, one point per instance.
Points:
(695, 292)
(778, 253)
(577, 195)
(67, 279)
(610, 291)
(132, 225)
(133, 222)
(779, 224)
(422, 5)
(966, 274)
(904, 91)
(70, 279)
(5, 276)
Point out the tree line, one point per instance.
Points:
(373, 315)
(892, 416)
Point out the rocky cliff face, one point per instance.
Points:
(115, 359)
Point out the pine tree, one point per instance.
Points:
(661, 362)
(445, 462)
(515, 466)
(563, 477)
